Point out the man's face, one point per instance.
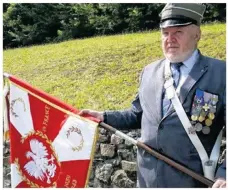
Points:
(178, 43)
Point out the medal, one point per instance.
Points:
(195, 112)
(208, 122)
(206, 130)
(206, 107)
(211, 116)
(201, 118)
(207, 98)
(198, 127)
(198, 108)
(199, 94)
(214, 99)
(199, 101)
(212, 109)
(194, 117)
(203, 113)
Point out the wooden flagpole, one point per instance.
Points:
(160, 156)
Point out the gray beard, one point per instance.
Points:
(180, 58)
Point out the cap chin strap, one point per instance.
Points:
(208, 164)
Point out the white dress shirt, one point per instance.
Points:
(186, 68)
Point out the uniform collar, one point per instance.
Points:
(189, 63)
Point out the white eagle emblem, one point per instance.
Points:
(39, 167)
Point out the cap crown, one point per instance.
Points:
(192, 11)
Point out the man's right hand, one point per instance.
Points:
(93, 113)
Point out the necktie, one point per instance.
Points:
(176, 73)
(176, 77)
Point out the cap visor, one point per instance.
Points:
(173, 23)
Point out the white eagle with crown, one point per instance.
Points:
(39, 166)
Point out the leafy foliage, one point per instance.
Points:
(28, 24)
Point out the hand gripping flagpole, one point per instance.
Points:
(158, 155)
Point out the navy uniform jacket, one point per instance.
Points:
(167, 134)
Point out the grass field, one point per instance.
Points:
(100, 73)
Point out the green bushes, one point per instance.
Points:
(28, 24)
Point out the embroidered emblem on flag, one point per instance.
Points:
(51, 146)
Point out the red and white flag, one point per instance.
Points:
(51, 146)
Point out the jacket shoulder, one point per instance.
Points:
(154, 65)
(216, 63)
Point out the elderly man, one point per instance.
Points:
(180, 106)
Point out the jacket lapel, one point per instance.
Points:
(159, 85)
(151, 95)
(198, 70)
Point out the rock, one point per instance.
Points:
(120, 179)
(126, 155)
(102, 131)
(6, 161)
(107, 150)
(125, 131)
(102, 138)
(104, 172)
(6, 149)
(128, 166)
(135, 148)
(6, 144)
(222, 157)
(6, 172)
(223, 143)
(97, 147)
(99, 184)
(98, 156)
(128, 144)
(134, 134)
(7, 183)
(98, 159)
(116, 140)
(90, 184)
(222, 151)
(114, 162)
(121, 146)
(132, 175)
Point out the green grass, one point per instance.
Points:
(100, 73)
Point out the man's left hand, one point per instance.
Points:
(219, 183)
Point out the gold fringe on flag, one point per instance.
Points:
(5, 112)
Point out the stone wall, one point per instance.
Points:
(114, 162)
(6, 166)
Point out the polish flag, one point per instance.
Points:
(51, 146)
